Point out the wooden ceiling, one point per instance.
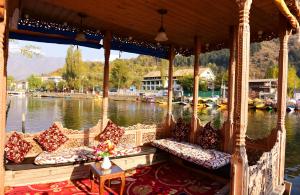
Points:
(208, 19)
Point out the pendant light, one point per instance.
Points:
(80, 36)
(161, 35)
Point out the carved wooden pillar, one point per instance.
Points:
(194, 122)
(239, 162)
(281, 96)
(170, 90)
(106, 45)
(231, 83)
(3, 75)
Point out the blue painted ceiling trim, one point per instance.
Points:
(116, 45)
(18, 36)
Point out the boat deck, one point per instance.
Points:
(163, 178)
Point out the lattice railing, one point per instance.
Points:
(263, 175)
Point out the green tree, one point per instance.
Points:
(272, 72)
(10, 82)
(61, 85)
(293, 80)
(186, 83)
(73, 68)
(34, 82)
(164, 64)
(203, 85)
(121, 74)
(49, 86)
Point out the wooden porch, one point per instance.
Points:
(193, 28)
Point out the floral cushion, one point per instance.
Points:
(209, 138)
(16, 148)
(126, 150)
(65, 155)
(181, 131)
(51, 139)
(111, 132)
(208, 158)
(80, 154)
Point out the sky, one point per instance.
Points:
(59, 50)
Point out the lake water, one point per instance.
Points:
(84, 113)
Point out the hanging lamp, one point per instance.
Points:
(80, 36)
(161, 35)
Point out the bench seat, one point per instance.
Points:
(208, 158)
(29, 163)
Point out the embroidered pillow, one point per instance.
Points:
(51, 139)
(111, 132)
(209, 137)
(16, 148)
(181, 131)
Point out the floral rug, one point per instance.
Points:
(160, 179)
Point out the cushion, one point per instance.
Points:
(65, 155)
(181, 131)
(111, 132)
(126, 150)
(16, 148)
(208, 158)
(209, 138)
(51, 139)
(80, 154)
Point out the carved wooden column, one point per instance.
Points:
(3, 75)
(106, 45)
(231, 83)
(170, 90)
(239, 162)
(281, 96)
(194, 122)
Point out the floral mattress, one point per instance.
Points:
(79, 154)
(208, 158)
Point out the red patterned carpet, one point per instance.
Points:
(160, 179)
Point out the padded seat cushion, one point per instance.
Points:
(208, 158)
(65, 155)
(80, 154)
(28, 163)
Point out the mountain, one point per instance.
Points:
(21, 67)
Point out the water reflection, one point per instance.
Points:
(85, 113)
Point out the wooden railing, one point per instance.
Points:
(263, 174)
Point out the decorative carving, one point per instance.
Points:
(264, 173)
(239, 161)
(148, 137)
(86, 137)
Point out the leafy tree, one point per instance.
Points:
(121, 74)
(10, 81)
(164, 66)
(73, 68)
(293, 80)
(34, 82)
(61, 85)
(272, 72)
(203, 85)
(49, 85)
(186, 83)
(28, 51)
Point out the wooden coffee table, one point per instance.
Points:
(114, 172)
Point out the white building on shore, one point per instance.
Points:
(153, 80)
